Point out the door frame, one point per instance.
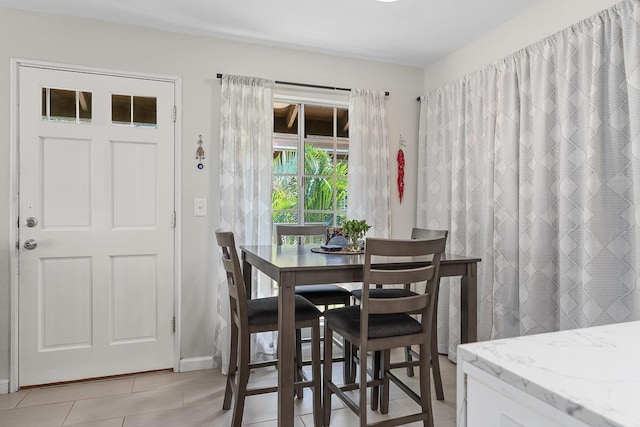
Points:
(14, 181)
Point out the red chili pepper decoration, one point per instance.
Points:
(400, 174)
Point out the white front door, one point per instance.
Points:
(96, 225)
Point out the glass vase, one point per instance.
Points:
(354, 242)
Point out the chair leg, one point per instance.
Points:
(408, 358)
(243, 380)
(375, 391)
(425, 384)
(233, 368)
(349, 373)
(347, 364)
(437, 378)
(384, 397)
(317, 375)
(435, 363)
(363, 388)
(298, 373)
(353, 366)
(328, 365)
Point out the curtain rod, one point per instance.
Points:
(219, 75)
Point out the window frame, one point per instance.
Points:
(336, 102)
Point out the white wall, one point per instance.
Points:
(196, 60)
(542, 20)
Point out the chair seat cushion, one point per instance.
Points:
(384, 293)
(347, 319)
(264, 311)
(313, 292)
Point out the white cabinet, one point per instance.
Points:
(575, 378)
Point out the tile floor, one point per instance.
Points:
(189, 399)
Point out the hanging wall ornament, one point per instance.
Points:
(200, 153)
(400, 159)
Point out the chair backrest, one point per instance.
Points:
(300, 231)
(426, 234)
(395, 255)
(235, 278)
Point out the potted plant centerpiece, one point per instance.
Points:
(355, 230)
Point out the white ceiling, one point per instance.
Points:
(409, 32)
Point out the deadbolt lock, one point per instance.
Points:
(31, 222)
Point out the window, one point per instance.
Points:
(310, 188)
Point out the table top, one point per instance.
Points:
(296, 257)
(592, 374)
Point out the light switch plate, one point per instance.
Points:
(199, 207)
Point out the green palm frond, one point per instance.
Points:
(318, 190)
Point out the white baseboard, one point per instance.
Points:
(196, 363)
(4, 386)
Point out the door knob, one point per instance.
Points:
(30, 244)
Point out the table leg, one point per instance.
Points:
(246, 272)
(286, 346)
(469, 305)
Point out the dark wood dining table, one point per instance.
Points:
(294, 265)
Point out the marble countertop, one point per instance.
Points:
(592, 374)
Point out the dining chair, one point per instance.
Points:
(404, 291)
(325, 295)
(250, 316)
(424, 233)
(379, 325)
(320, 295)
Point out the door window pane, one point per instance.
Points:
(121, 109)
(85, 106)
(66, 106)
(144, 111)
(134, 110)
(63, 104)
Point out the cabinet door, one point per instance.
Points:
(506, 406)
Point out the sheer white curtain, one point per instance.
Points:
(533, 164)
(246, 158)
(368, 178)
